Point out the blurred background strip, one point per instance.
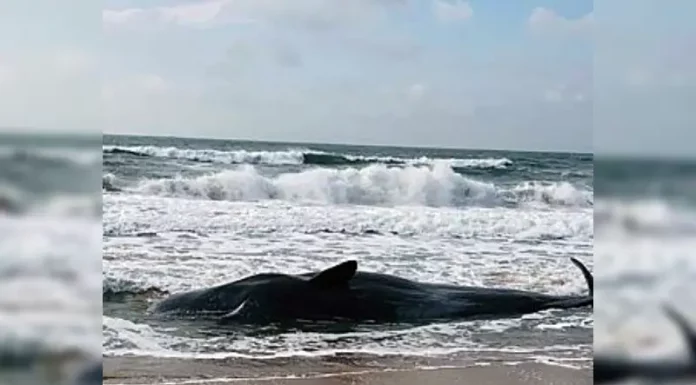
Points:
(50, 200)
(645, 170)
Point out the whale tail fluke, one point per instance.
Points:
(585, 273)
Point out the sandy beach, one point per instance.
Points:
(331, 371)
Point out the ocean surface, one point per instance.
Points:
(180, 214)
(50, 256)
(645, 249)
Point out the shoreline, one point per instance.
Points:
(144, 370)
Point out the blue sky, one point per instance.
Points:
(517, 74)
(437, 73)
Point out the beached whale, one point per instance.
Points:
(614, 369)
(341, 293)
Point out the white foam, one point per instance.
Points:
(296, 156)
(437, 186)
(49, 291)
(644, 250)
(127, 214)
(126, 338)
(497, 163)
(82, 157)
(191, 243)
(648, 216)
(13, 201)
(287, 157)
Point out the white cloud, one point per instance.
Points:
(313, 14)
(198, 13)
(201, 14)
(546, 21)
(122, 16)
(452, 10)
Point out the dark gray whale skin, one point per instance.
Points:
(614, 369)
(341, 293)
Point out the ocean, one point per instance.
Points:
(50, 256)
(180, 214)
(185, 213)
(645, 232)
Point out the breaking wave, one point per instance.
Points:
(50, 157)
(295, 157)
(14, 201)
(378, 185)
(114, 288)
(645, 217)
(110, 182)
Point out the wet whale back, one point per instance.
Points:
(215, 299)
(341, 292)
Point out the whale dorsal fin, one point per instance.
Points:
(335, 276)
(685, 328)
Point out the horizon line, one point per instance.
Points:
(211, 138)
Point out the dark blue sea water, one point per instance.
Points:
(132, 159)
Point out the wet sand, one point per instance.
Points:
(333, 371)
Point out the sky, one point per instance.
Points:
(556, 75)
(645, 78)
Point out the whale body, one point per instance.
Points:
(342, 293)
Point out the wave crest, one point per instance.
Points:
(379, 185)
(297, 157)
(49, 156)
(288, 157)
(15, 201)
(116, 288)
(645, 217)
